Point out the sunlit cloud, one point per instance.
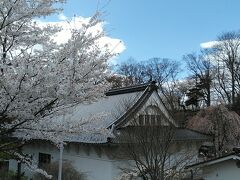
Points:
(115, 45)
(209, 44)
(62, 17)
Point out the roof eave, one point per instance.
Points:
(213, 161)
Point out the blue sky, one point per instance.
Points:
(161, 28)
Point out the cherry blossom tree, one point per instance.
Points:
(221, 123)
(39, 77)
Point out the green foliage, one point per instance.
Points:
(4, 155)
(194, 96)
(10, 175)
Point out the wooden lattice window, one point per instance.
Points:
(149, 119)
(44, 159)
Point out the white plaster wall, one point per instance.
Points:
(93, 165)
(222, 171)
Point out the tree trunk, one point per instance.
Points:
(233, 87)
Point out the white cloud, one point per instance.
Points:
(62, 17)
(209, 44)
(115, 45)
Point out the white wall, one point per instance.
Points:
(222, 171)
(94, 164)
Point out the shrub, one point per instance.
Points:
(68, 172)
(10, 175)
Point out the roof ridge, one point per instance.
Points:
(130, 89)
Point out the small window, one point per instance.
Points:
(149, 119)
(4, 166)
(153, 119)
(159, 120)
(44, 159)
(141, 120)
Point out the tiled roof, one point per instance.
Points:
(109, 111)
(188, 134)
(106, 110)
(179, 134)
